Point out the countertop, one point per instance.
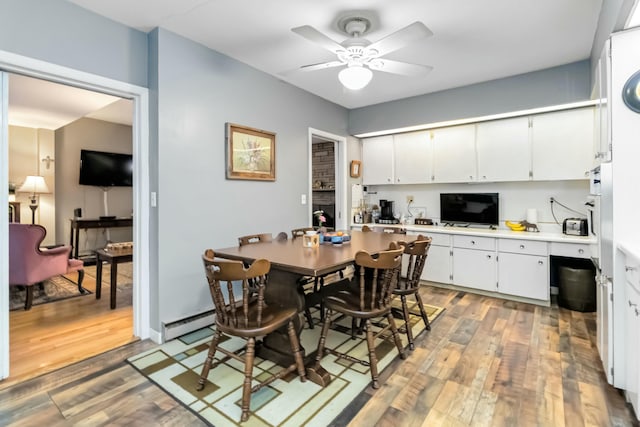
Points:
(497, 233)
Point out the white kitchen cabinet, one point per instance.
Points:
(562, 144)
(602, 140)
(523, 275)
(377, 160)
(412, 158)
(474, 262)
(523, 268)
(437, 268)
(454, 154)
(503, 150)
(632, 328)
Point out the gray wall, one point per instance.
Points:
(198, 91)
(559, 85)
(95, 135)
(62, 33)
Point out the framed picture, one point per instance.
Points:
(355, 168)
(251, 153)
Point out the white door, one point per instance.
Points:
(474, 269)
(4, 227)
(437, 268)
(454, 154)
(503, 149)
(412, 155)
(523, 275)
(562, 144)
(377, 160)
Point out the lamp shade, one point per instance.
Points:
(355, 77)
(34, 185)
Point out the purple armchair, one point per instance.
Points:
(28, 265)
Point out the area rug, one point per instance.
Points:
(175, 366)
(54, 289)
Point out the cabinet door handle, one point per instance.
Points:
(540, 263)
(473, 242)
(580, 251)
(470, 176)
(632, 304)
(488, 256)
(629, 268)
(521, 246)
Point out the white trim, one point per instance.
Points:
(479, 119)
(40, 69)
(341, 176)
(4, 226)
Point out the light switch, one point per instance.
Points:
(303, 199)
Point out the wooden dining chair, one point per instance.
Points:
(415, 256)
(367, 297)
(281, 237)
(246, 316)
(299, 232)
(254, 238)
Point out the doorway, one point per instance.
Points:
(327, 178)
(139, 95)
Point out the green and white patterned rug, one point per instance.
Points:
(175, 366)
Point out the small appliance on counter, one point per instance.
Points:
(575, 226)
(386, 213)
(423, 221)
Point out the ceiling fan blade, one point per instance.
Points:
(401, 38)
(321, 66)
(315, 36)
(397, 67)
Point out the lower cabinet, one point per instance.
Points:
(523, 268)
(632, 319)
(474, 262)
(437, 268)
(524, 275)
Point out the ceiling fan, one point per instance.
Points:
(360, 56)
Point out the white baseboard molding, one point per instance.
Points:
(189, 324)
(155, 336)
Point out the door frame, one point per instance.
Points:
(340, 153)
(13, 63)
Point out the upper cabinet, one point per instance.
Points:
(454, 157)
(562, 144)
(503, 150)
(412, 161)
(557, 145)
(377, 160)
(397, 159)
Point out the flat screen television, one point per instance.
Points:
(103, 169)
(469, 208)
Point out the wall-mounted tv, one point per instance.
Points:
(469, 208)
(103, 169)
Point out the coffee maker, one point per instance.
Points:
(386, 212)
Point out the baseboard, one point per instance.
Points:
(189, 324)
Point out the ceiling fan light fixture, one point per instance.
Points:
(355, 77)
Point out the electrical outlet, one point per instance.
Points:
(409, 199)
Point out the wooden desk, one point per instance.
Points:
(78, 224)
(113, 258)
(289, 262)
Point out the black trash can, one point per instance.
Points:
(577, 288)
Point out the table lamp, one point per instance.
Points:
(34, 185)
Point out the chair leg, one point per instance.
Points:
(307, 315)
(248, 371)
(297, 353)
(407, 326)
(373, 360)
(323, 336)
(396, 335)
(207, 364)
(80, 279)
(29, 299)
(423, 313)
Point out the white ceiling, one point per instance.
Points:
(41, 104)
(473, 41)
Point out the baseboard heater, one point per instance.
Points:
(189, 324)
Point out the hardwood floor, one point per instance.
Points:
(485, 362)
(58, 334)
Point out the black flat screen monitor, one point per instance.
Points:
(103, 169)
(469, 208)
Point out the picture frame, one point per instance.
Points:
(250, 153)
(356, 167)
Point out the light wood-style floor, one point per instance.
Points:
(58, 334)
(486, 362)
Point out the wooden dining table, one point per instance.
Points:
(290, 261)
